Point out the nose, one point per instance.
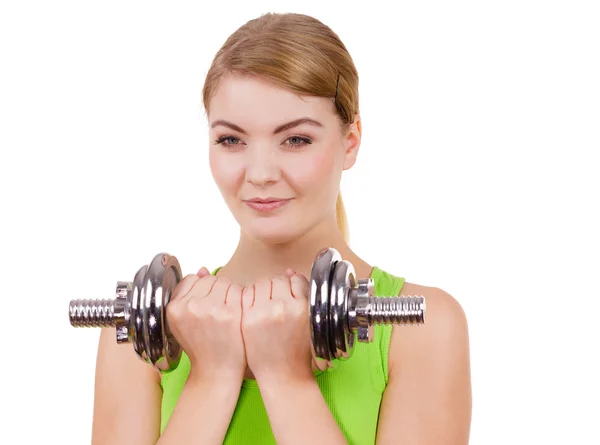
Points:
(261, 166)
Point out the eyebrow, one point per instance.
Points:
(279, 129)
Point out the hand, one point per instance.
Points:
(276, 329)
(204, 316)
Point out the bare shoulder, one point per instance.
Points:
(127, 395)
(445, 328)
(429, 376)
(439, 298)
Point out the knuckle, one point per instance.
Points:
(235, 289)
(203, 287)
(299, 310)
(263, 283)
(194, 307)
(251, 320)
(279, 279)
(208, 279)
(278, 311)
(174, 311)
(224, 281)
(184, 286)
(298, 279)
(190, 279)
(247, 322)
(219, 315)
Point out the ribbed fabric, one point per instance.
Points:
(353, 389)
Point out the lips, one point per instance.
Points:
(266, 204)
(265, 200)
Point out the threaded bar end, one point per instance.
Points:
(92, 313)
(402, 310)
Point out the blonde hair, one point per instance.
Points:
(296, 52)
(340, 216)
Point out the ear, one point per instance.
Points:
(352, 142)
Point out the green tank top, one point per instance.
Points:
(353, 389)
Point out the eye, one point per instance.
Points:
(297, 142)
(228, 141)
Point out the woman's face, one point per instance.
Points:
(277, 157)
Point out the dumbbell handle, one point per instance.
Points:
(369, 311)
(93, 313)
(391, 310)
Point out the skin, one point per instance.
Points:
(256, 307)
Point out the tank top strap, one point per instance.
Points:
(385, 285)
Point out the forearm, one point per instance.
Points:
(298, 413)
(202, 414)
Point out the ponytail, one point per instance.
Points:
(340, 216)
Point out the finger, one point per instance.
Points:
(300, 286)
(220, 288)
(290, 272)
(262, 291)
(203, 272)
(184, 287)
(234, 296)
(247, 297)
(202, 287)
(281, 288)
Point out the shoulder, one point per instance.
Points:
(445, 330)
(429, 375)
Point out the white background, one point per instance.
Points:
(478, 174)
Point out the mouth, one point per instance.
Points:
(266, 204)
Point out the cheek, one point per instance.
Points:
(226, 170)
(315, 170)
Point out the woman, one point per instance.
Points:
(282, 103)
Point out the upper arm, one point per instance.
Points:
(428, 397)
(127, 396)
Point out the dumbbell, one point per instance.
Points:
(342, 310)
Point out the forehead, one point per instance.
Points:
(252, 102)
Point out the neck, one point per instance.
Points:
(254, 260)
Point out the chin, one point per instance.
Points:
(272, 232)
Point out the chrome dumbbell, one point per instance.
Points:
(342, 310)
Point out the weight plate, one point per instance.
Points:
(320, 280)
(136, 317)
(152, 341)
(340, 337)
(163, 273)
(172, 350)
